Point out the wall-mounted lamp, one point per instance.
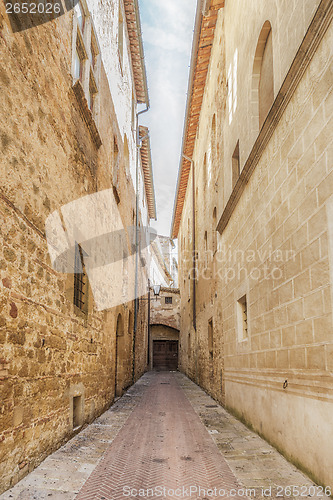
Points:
(156, 290)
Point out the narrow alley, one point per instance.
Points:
(165, 438)
(166, 249)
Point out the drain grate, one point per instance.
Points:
(211, 406)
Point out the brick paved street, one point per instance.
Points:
(165, 432)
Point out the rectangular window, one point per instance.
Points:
(93, 50)
(235, 165)
(80, 15)
(206, 250)
(77, 66)
(92, 92)
(79, 59)
(80, 279)
(214, 232)
(85, 66)
(77, 411)
(242, 323)
(121, 35)
(115, 171)
(168, 300)
(210, 337)
(133, 111)
(115, 151)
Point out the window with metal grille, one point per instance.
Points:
(80, 279)
(86, 61)
(168, 300)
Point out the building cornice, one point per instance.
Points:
(147, 167)
(132, 14)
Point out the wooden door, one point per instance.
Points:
(165, 354)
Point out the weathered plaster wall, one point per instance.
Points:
(162, 332)
(163, 313)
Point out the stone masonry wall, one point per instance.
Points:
(163, 313)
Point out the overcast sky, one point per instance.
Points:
(167, 27)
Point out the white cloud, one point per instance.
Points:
(167, 33)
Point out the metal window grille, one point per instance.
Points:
(79, 279)
(168, 300)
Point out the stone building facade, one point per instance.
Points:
(68, 134)
(163, 265)
(253, 217)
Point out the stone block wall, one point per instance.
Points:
(164, 312)
(51, 352)
(275, 248)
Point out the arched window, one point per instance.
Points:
(262, 77)
(130, 322)
(120, 329)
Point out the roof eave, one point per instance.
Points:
(132, 14)
(194, 56)
(205, 8)
(142, 54)
(148, 176)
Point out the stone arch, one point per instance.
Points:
(262, 90)
(169, 322)
(165, 329)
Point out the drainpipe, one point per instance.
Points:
(149, 330)
(194, 264)
(136, 299)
